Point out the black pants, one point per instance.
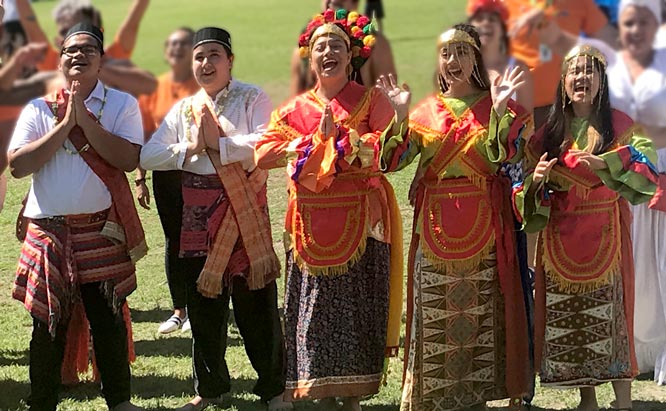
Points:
(110, 343)
(169, 201)
(258, 321)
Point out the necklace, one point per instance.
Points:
(98, 117)
(189, 116)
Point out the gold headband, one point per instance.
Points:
(583, 50)
(455, 36)
(328, 29)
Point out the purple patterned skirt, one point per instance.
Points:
(335, 328)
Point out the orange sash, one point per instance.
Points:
(245, 218)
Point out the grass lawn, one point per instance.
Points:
(264, 33)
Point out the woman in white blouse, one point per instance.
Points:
(637, 82)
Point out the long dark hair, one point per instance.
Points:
(484, 84)
(557, 128)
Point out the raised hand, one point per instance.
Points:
(592, 161)
(504, 87)
(327, 124)
(542, 169)
(211, 132)
(31, 54)
(400, 97)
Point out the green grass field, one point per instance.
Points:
(264, 33)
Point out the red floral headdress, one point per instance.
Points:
(493, 6)
(357, 31)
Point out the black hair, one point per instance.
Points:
(557, 131)
(484, 83)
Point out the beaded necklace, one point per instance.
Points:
(98, 117)
(189, 116)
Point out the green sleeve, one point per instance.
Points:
(399, 146)
(532, 203)
(505, 140)
(631, 170)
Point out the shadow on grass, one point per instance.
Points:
(14, 357)
(149, 316)
(14, 394)
(173, 346)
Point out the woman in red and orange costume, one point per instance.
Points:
(344, 258)
(589, 162)
(467, 332)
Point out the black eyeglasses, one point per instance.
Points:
(88, 50)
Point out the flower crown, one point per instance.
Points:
(358, 32)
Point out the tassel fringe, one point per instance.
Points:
(464, 264)
(581, 287)
(332, 270)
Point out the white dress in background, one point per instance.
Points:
(645, 102)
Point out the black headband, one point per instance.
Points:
(212, 35)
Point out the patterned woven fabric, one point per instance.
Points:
(586, 341)
(56, 257)
(457, 355)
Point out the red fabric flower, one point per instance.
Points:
(329, 15)
(365, 52)
(359, 34)
(362, 21)
(303, 40)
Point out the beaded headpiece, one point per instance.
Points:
(448, 40)
(356, 30)
(583, 50)
(455, 36)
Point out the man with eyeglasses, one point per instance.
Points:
(84, 234)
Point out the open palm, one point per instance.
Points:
(504, 87)
(400, 97)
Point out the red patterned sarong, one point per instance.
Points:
(60, 253)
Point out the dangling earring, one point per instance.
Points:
(442, 83)
(477, 76)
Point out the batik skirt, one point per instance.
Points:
(335, 328)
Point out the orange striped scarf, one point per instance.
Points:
(245, 218)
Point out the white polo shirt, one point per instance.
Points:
(65, 185)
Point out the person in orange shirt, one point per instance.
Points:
(172, 86)
(117, 70)
(526, 20)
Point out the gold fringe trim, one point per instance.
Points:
(331, 270)
(464, 264)
(581, 287)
